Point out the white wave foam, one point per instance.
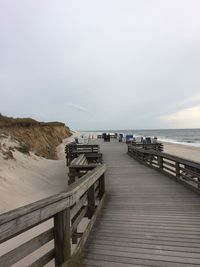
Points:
(178, 142)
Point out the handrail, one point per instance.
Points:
(186, 171)
(67, 209)
(154, 146)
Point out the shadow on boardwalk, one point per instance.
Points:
(148, 219)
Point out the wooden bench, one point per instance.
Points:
(91, 152)
(78, 167)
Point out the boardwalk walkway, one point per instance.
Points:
(148, 219)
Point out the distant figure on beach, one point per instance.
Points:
(120, 137)
(148, 140)
(155, 140)
(106, 137)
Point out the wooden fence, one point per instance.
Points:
(186, 171)
(83, 199)
(156, 146)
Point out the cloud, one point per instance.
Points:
(76, 107)
(138, 64)
(187, 116)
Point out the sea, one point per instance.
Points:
(178, 136)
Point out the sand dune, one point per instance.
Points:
(26, 179)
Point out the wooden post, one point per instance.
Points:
(62, 237)
(160, 162)
(177, 170)
(71, 179)
(91, 202)
(150, 159)
(102, 186)
(143, 157)
(72, 175)
(198, 181)
(75, 237)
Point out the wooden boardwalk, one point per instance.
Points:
(148, 219)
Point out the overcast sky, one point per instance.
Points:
(101, 64)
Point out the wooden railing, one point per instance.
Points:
(186, 171)
(83, 199)
(157, 146)
(92, 152)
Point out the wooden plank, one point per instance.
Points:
(44, 259)
(25, 222)
(78, 219)
(91, 202)
(102, 186)
(162, 233)
(27, 248)
(152, 227)
(74, 210)
(160, 241)
(103, 263)
(14, 214)
(173, 165)
(173, 246)
(147, 256)
(149, 238)
(77, 160)
(136, 261)
(84, 167)
(152, 251)
(169, 169)
(151, 222)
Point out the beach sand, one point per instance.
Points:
(183, 151)
(28, 178)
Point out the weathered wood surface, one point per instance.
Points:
(157, 146)
(148, 219)
(25, 249)
(67, 209)
(91, 152)
(186, 171)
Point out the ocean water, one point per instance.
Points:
(184, 136)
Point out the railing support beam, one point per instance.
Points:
(102, 186)
(62, 237)
(91, 202)
(177, 169)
